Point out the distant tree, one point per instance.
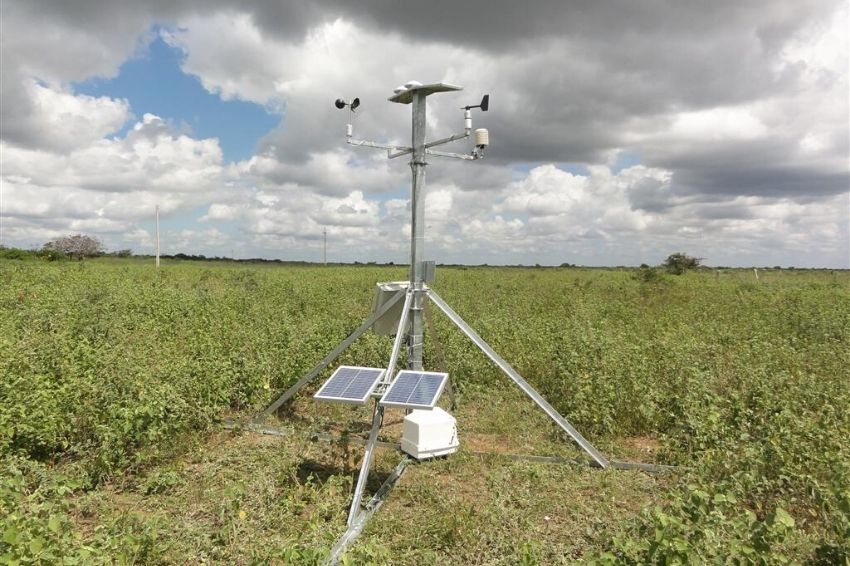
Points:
(15, 253)
(120, 253)
(78, 246)
(678, 263)
(646, 274)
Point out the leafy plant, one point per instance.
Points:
(678, 263)
(110, 371)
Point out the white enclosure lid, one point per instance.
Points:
(434, 416)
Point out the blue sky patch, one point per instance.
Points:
(625, 159)
(154, 83)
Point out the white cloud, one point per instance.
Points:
(60, 121)
(148, 159)
(220, 212)
(822, 44)
(105, 185)
(211, 238)
(545, 191)
(244, 67)
(333, 173)
(738, 116)
(56, 45)
(717, 124)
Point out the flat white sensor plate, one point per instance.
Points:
(405, 94)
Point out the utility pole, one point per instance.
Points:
(325, 249)
(157, 236)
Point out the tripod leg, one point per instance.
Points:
(518, 379)
(311, 375)
(399, 336)
(378, 414)
(377, 419)
(441, 355)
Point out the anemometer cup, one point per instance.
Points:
(340, 104)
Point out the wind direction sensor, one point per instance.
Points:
(411, 388)
(484, 106)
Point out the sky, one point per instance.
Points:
(620, 132)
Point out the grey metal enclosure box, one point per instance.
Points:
(387, 325)
(429, 271)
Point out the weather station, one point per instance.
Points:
(398, 310)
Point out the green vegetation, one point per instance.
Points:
(115, 378)
(678, 263)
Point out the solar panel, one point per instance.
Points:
(415, 389)
(349, 384)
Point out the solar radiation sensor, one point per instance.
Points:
(413, 389)
(350, 384)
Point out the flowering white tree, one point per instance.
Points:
(77, 246)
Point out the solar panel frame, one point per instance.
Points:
(350, 384)
(412, 389)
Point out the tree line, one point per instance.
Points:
(81, 246)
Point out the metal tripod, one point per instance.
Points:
(416, 292)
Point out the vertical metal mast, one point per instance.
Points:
(157, 236)
(417, 232)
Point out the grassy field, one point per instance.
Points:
(115, 380)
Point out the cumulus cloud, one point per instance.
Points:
(106, 186)
(60, 121)
(735, 115)
(330, 173)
